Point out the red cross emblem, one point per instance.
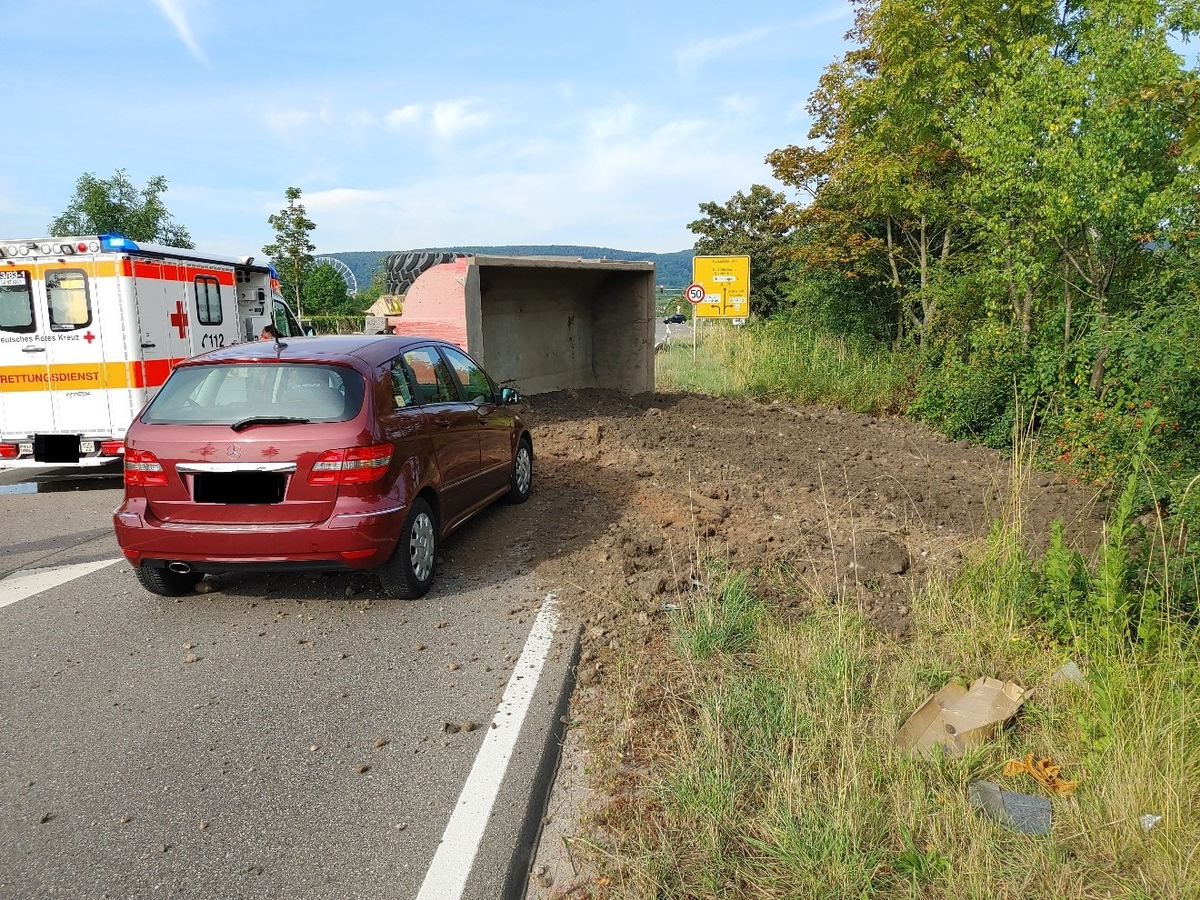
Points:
(179, 319)
(89, 337)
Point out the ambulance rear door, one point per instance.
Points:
(213, 301)
(162, 321)
(24, 376)
(81, 308)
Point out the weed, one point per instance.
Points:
(724, 621)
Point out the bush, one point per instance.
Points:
(971, 392)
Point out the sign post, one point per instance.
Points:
(695, 294)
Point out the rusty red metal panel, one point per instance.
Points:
(436, 304)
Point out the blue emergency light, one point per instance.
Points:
(116, 242)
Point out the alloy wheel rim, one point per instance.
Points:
(420, 547)
(524, 469)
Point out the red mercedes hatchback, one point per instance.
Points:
(320, 453)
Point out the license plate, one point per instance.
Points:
(87, 447)
(25, 449)
(242, 488)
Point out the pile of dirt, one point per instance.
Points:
(631, 492)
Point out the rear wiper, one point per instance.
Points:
(243, 424)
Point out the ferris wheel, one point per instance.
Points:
(342, 269)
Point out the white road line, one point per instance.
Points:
(447, 875)
(28, 582)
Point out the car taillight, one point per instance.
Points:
(111, 448)
(143, 468)
(351, 465)
(9, 451)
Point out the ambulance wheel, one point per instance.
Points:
(166, 583)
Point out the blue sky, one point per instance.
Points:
(410, 124)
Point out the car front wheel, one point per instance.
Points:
(409, 573)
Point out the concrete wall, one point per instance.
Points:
(543, 323)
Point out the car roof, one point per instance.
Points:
(371, 349)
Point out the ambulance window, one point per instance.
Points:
(67, 293)
(208, 300)
(16, 301)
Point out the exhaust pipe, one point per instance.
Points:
(180, 568)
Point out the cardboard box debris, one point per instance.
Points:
(958, 719)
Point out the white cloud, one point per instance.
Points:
(737, 105)
(326, 124)
(402, 116)
(360, 119)
(610, 123)
(636, 189)
(699, 53)
(176, 12)
(452, 118)
(288, 123)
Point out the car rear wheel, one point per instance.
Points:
(166, 583)
(409, 573)
(522, 473)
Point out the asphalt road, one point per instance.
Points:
(664, 332)
(282, 736)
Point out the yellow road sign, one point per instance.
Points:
(726, 283)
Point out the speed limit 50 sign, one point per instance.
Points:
(695, 293)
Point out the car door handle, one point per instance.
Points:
(442, 423)
(146, 345)
(33, 349)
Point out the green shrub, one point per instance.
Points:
(971, 392)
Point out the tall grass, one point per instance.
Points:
(769, 360)
(775, 772)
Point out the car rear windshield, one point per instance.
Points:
(239, 392)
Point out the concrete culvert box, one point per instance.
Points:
(541, 323)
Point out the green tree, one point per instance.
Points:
(1074, 170)
(116, 206)
(884, 168)
(1021, 179)
(325, 293)
(376, 289)
(750, 225)
(292, 251)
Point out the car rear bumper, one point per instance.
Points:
(362, 540)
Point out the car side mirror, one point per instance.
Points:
(510, 395)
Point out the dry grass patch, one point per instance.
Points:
(754, 757)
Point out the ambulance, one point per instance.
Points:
(91, 326)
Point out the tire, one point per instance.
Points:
(409, 573)
(521, 482)
(166, 583)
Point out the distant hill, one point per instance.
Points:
(671, 269)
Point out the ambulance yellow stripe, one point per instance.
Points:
(86, 376)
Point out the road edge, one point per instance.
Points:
(529, 835)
